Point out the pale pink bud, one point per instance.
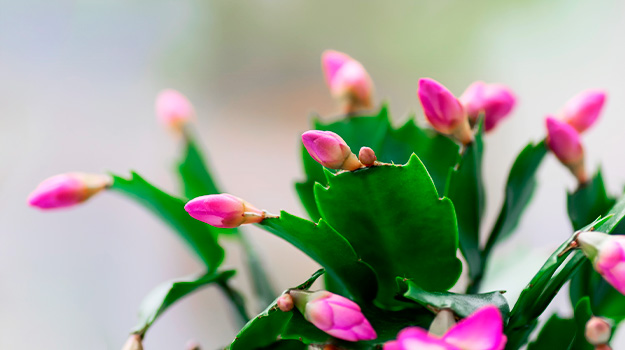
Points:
(173, 108)
(285, 302)
(223, 210)
(443, 110)
(583, 110)
(367, 156)
(330, 150)
(494, 100)
(607, 253)
(334, 314)
(481, 330)
(66, 190)
(598, 331)
(564, 141)
(133, 343)
(348, 80)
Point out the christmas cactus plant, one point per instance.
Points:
(389, 209)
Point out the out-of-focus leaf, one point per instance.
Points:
(199, 236)
(588, 202)
(395, 220)
(166, 294)
(582, 315)
(557, 333)
(463, 305)
(331, 250)
(194, 174)
(465, 188)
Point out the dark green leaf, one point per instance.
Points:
(166, 294)
(195, 177)
(465, 188)
(588, 202)
(463, 305)
(582, 315)
(199, 236)
(557, 333)
(395, 220)
(328, 248)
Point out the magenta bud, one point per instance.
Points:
(66, 190)
(598, 331)
(367, 156)
(494, 100)
(223, 210)
(173, 108)
(330, 150)
(583, 110)
(133, 343)
(607, 253)
(565, 143)
(334, 314)
(285, 302)
(443, 110)
(348, 80)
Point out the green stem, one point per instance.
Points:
(260, 280)
(236, 300)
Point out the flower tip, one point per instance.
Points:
(443, 110)
(223, 211)
(329, 150)
(583, 110)
(331, 61)
(173, 108)
(67, 190)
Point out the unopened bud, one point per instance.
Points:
(607, 253)
(598, 331)
(583, 110)
(443, 110)
(494, 100)
(66, 190)
(173, 109)
(330, 150)
(367, 156)
(565, 143)
(348, 80)
(133, 343)
(285, 302)
(224, 211)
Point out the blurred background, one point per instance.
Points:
(78, 82)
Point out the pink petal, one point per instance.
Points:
(482, 330)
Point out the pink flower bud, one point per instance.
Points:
(223, 210)
(607, 253)
(583, 110)
(173, 108)
(334, 314)
(482, 330)
(330, 150)
(348, 80)
(66, 190)
(494, 100)
(565, 143)
(443, 110)
(285, 302)
(598, 331)
(367, 156)
(133, 343)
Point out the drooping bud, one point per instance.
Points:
(285, 302)
(481, 330)
(334, 314)
(564, 141)
(66, 190)
(348, 80)
(444, 111)
(224, 211)
(173, 109)
(330, 150)
(133, 343)
(598, 331)
(583, 110)
(494, 100)
(367, 156)
(607, 253)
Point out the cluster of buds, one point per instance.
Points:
(224, 211)
(66, 190)
(348, 81)
(482, 330)
(563, 133)
(607, 254)
(452, 116)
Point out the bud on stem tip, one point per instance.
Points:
(224, 211)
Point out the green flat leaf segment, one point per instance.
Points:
(199, 236)
(396, 222)
(463, 305)
(588, 202)
(195, 177)
(166, 294)
(328, 248)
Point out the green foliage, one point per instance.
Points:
(166, 294)
(199, 236)
(195, 178)
(557, 333)
(462, 304)
(395, 220)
